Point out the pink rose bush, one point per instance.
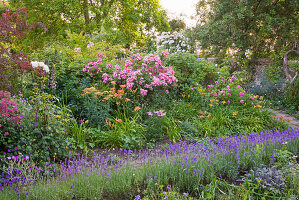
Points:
(140, 74)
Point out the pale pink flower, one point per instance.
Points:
(143, 92)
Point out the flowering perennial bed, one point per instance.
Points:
(186, 165)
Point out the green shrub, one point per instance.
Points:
(292, 94)
(190, 71)
(40, 132)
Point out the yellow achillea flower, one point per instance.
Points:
(211, 105)
(183, 95)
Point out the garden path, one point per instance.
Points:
(294, 123)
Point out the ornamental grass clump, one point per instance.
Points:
(185, 166)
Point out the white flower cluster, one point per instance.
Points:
(36, 64)
(248, 53)
(173, 42)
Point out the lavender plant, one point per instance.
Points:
(186, 166)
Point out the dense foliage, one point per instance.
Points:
(13, 64)
(262, 26)
(84, 116)
(119, 22)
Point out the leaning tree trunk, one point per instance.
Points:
(286, 68)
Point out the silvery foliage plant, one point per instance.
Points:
(268, 177)
(173, 42)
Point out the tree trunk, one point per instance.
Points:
(286, 67)
(86, 14)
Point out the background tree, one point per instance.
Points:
(129, 20)
(177, 25)
(264, 26)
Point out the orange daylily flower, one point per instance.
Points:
(201, 116)
(235, 113)
(121, 91)
(122, 86)
(118, 120)
(106, 98)
(134, 91)
(137, 108)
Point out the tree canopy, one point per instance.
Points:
(177, 25)
(263, 26)
(129, 19)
